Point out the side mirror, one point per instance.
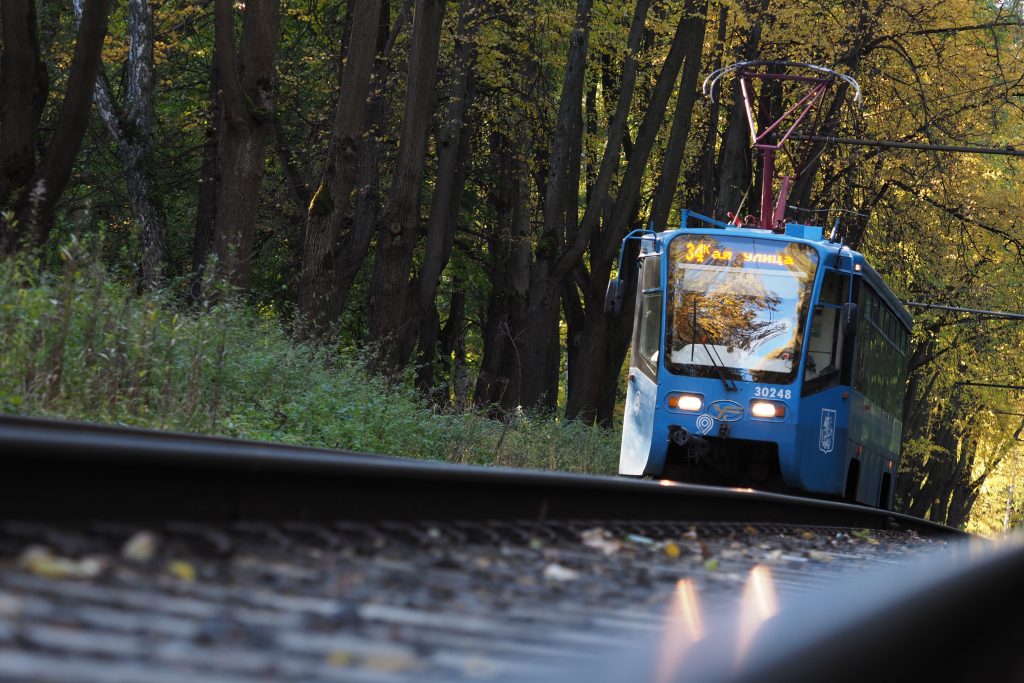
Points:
(850, 320)
(613, 297)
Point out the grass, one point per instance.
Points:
(83, 345)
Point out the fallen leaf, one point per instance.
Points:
(41, 561)
(751, 531)
(140, 548)
(866, 535)
(599, 539)
(711, 564)
(182, 570)
(672, 550)
(556, 572)
(340, 658)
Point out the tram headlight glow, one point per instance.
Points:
(767, 409)
(691, 403)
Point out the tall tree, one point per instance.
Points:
(330, 203)
(666, 190)
(711, 134)
(593, 393)
(396, 234)
(453, 148)
(24, 86)
(372, 147)
(735, 169)
(131, 124)
(246, 101)
(508, 267)
(35, 202)
(535, 380)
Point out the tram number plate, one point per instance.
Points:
(772, 392)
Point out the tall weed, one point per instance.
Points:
(85, 346)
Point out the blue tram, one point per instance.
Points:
(765, 359)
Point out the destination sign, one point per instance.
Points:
(703, 252)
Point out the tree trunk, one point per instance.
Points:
(396, 235)
(591, 389)
(429, 321)
(598, 195)
(349, 261)
(209, 181)
(681, 121)
(453, 156)
(734, 165)
(246, 90)
(132, 128)
(452, 360)
(330, 203)
(490, 382)
(538, 346)
(35, 217)
(734, 162)
(24, 86)
(711, 140)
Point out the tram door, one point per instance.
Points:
(642, 385)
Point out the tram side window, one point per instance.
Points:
(881, 354)
(835, 288)
(825, 350)
(647, 327)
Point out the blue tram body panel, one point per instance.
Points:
(731, 317)
(637, 426)
(822, 442)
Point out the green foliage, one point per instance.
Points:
(85, 346)
(940, 228)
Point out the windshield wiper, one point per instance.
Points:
(718, 364)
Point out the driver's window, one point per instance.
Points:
(825, 347)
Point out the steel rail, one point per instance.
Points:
(57, 470)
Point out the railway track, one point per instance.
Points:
(130, 473)
(128, 555)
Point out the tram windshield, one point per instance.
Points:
(737, 307)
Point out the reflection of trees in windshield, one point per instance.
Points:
(730, 319)
(741, 310)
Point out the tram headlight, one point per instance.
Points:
(767, 409)
(691, 403)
